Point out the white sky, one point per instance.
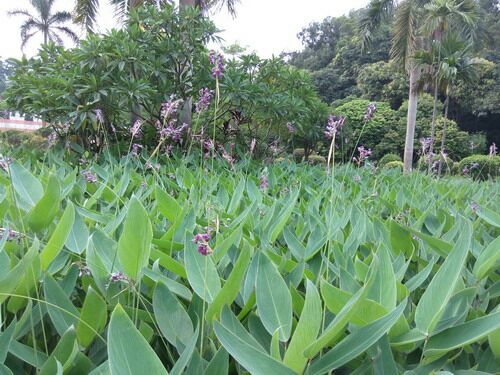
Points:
(266, 26)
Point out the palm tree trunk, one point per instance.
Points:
(433, 125)
(411, 118)
(443, 135)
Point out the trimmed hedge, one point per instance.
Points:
(395, 164)
(480, 166)
(387, 158)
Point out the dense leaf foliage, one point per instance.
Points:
(305, 274)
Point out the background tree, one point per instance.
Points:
(43, 20)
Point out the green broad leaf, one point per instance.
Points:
(441, 247)
(4, 370)
(231, 322)
(383, 359)
(255, 361)
(171, 317)
(186, 355)
(63, 354)
(201, 273)
(337, 326)
(282, 218)
(134, 245)
(275, 346)
(461, 335)
(488, 215)
(355, 343)
(306, 331)
(494, 341)
(62, 312)
(27, 354)
(417, 280)
(94, 316)
(383, 289)
(435, 298)
(236, 198)
(222, 247)
(231, 288)
(128, 351)
(27, 186)
(219, 365)
(297, 249)
(167, 205)
(78, 236)
(58, 237)
(169, 263)
(44, 212)
(103, 369)
(274, 302)
(5, 339)
(488, 258)
(9, 281)
(401, 240)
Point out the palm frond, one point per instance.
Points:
(20, 12)
(60, 17)
(53, 37)
(86, 13)
(68, 32)
(26, 27)
(405, 32)
(376, 12)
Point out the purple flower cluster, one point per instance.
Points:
(150, 165)
(136, 149)
(335, 123)
(474, 207)
(208, 147)
(118, 276)
(217, 62)
(170, 108)
(370, 111)
(468, 168)
(364, 153)
(493, 149)
(89, 176)
(226, 155)
(202, 239)
(52, 139)
(263, 182)
(135, 130)
(12, 235)
(172, 132)
(204, 101)
(290, 127)
(275, 149)
(4, 163)
(99, 115)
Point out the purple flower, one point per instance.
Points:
(275, 149)
(89, 176)
(52, 139)
(118, 276)
(84, 271)
(364, 153)
(170, 108)
(4, 163)
(493, 149)
(11, 234)
(335, 123)
(136, 148)
(204, 101)
(263, 182)
(466, 170)
(370, 111)
(290, 127)
(217, 62)
(208, 147)
(474, 207)
(99, 115)
(357, 179)
(135, 130)
(226, 156)
(202, 239)
(474, 166)
(150, 165)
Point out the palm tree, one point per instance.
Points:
(457, 64)
(441, 16)
(51, 25)
(86, 10)
(409, 36)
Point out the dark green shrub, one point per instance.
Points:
(387, 158)
(298, 154)
(480, 166)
